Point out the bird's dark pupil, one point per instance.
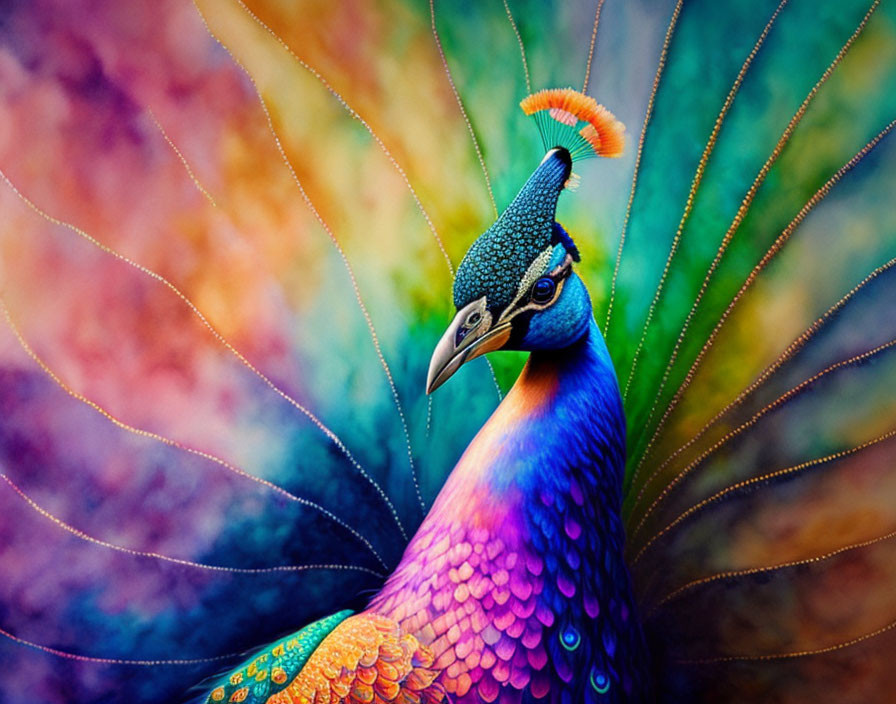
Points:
(473, 318)
(544, 290)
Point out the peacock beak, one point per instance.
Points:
(470, 335)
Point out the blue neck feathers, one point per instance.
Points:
(536, 500)
(571, 484)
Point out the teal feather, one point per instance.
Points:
(272, 669)
(170, 503)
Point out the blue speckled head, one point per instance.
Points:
(515, 288)
(498, 260)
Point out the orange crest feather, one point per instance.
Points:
(601, 135)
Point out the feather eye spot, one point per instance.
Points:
(570, 638)
(599, 681)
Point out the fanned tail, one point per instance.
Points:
(756, 350)
(227, 231)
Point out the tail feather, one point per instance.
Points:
(229, 230)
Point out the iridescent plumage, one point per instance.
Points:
(228, 238)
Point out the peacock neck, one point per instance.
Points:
(553, 451)
(528, 529)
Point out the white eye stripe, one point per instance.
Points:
(533, 273)
(564, 268)
(559, 274)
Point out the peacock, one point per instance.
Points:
(334, 369)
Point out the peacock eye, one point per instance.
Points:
(473, 319)
(570, 638)
(600, 681)
(543, 290)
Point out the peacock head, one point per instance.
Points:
(515, 289)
